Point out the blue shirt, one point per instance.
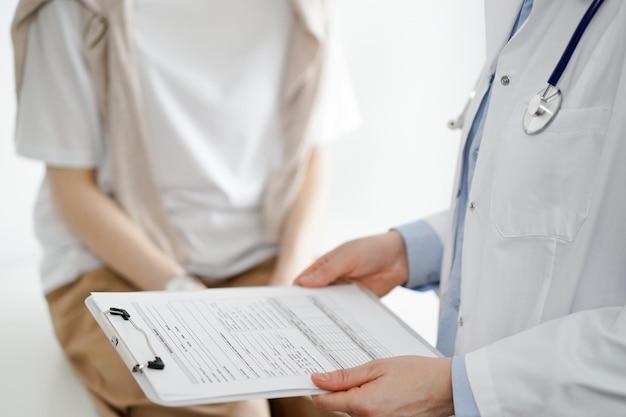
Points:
(425, 258)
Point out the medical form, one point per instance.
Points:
(230, 344)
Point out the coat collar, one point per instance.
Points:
(500, 16)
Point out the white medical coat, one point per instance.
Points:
(542, 318)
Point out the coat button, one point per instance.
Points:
(472, 206)
(460, 321)
(505, 80)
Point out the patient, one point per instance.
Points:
(184, 147)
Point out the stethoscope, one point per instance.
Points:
(545, 105)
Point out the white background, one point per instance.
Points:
(413, 64)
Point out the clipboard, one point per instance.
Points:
(231, 344)
(133, 364)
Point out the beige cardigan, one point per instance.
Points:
(111, 58)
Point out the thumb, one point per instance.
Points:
(324, 271)
(344, 379)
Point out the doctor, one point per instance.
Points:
(531, 256)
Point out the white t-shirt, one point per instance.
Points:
(212, 108)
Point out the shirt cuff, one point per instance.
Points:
(424, 250)
(464, 402)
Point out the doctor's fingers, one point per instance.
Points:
(328, 269)
(397, 386)
(377, 262)
(350, 396)
(344, 379)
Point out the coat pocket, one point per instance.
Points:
(543, 183)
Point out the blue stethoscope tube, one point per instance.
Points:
(573, 42)
(544, 106)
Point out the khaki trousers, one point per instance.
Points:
(111, 385)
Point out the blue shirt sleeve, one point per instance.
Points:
(464, 402)
(424, 250)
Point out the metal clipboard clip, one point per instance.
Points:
(127, 356)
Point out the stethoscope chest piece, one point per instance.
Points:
(542, 109)
(546, 104)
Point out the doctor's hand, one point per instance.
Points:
(378, 263)
(400, 386)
